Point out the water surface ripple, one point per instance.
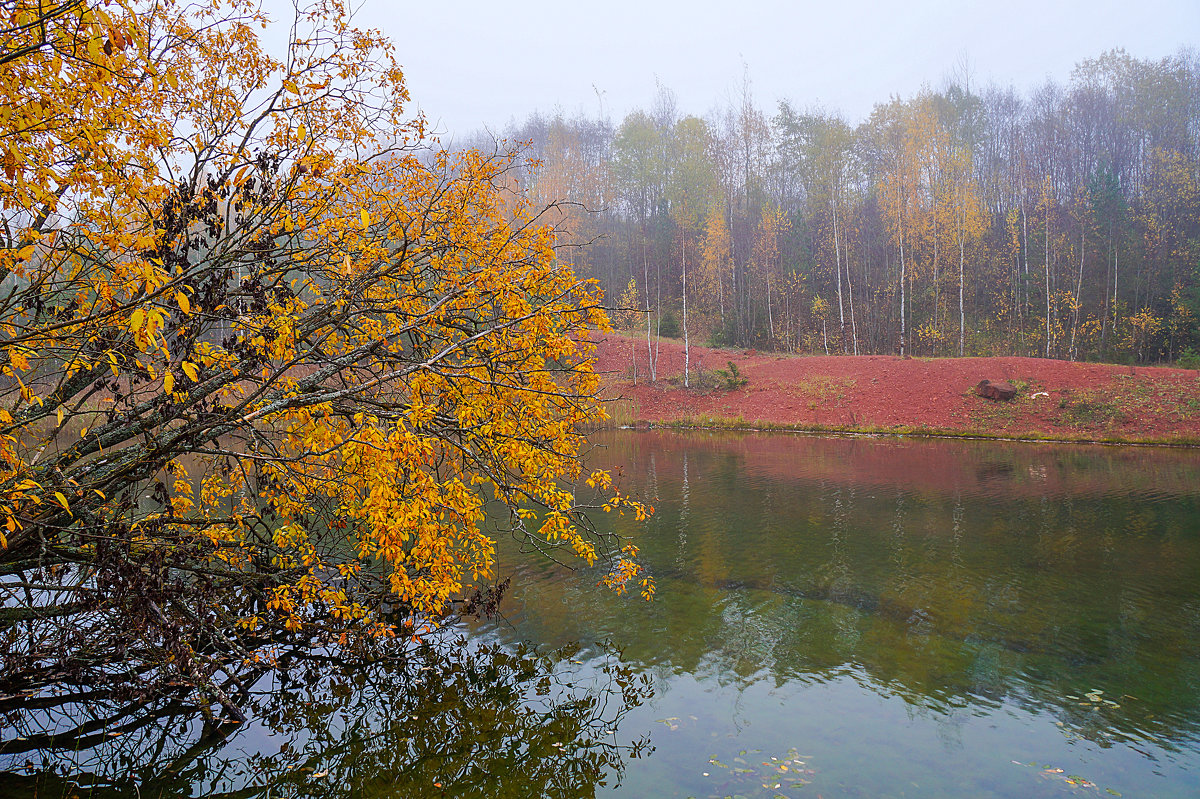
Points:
(916, 618)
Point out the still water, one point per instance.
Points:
(835, 617)
(882, 617)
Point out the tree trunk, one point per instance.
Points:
(1024, 267)
(1048, 287)
(686, 350)
(649, 347)
(903, 275)
(721, 292)
(850, 291)
(770, 316)
(937, 297)
(1078, 291)
(1116, 286)
(837, 252)
(962, 313)
(658, 310)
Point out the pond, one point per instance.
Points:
(835, 617)
(886, 617)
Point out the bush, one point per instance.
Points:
(730, 379)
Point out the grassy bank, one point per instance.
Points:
(623, 414)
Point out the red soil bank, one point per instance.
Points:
(1055, 398)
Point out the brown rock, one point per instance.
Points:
(995, 391)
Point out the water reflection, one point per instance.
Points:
(1038, 589)
(842, 617)
(457, 718)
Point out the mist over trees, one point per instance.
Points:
(1062, 223)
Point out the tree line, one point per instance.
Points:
(1064, 222)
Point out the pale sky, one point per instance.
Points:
(471, 64)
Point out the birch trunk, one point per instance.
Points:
(686, 349)
(903, 276)
(850, 294)
(962, 313)
(1078, 291)
(649, 347)
(837, 252)
(1048, 287)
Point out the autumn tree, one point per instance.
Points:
(716, 263)
(767, 263)
(691, 190)
(269, 362)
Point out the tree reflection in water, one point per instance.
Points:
(455, 718)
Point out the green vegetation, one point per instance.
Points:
(822, 389)
(730, 379)
(1089, 412)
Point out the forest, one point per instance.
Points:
(1063, 222)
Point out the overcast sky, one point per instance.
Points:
(474, 64)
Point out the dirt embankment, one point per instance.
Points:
(1055, 399)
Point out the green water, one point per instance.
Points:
(834, 618)
(908, 618)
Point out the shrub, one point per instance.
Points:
(730, 379)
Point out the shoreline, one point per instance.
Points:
(741, 426)
(1064, 402)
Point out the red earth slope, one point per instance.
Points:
(881, 392)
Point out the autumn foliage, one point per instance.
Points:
(271, 363)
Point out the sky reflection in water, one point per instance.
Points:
(916, 618)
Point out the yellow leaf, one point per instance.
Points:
(301, 133)
(62, 501)
(60, 415)
(190, 370)
(184, 304)
(168, 382)
(137, 320)
(366, 219)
